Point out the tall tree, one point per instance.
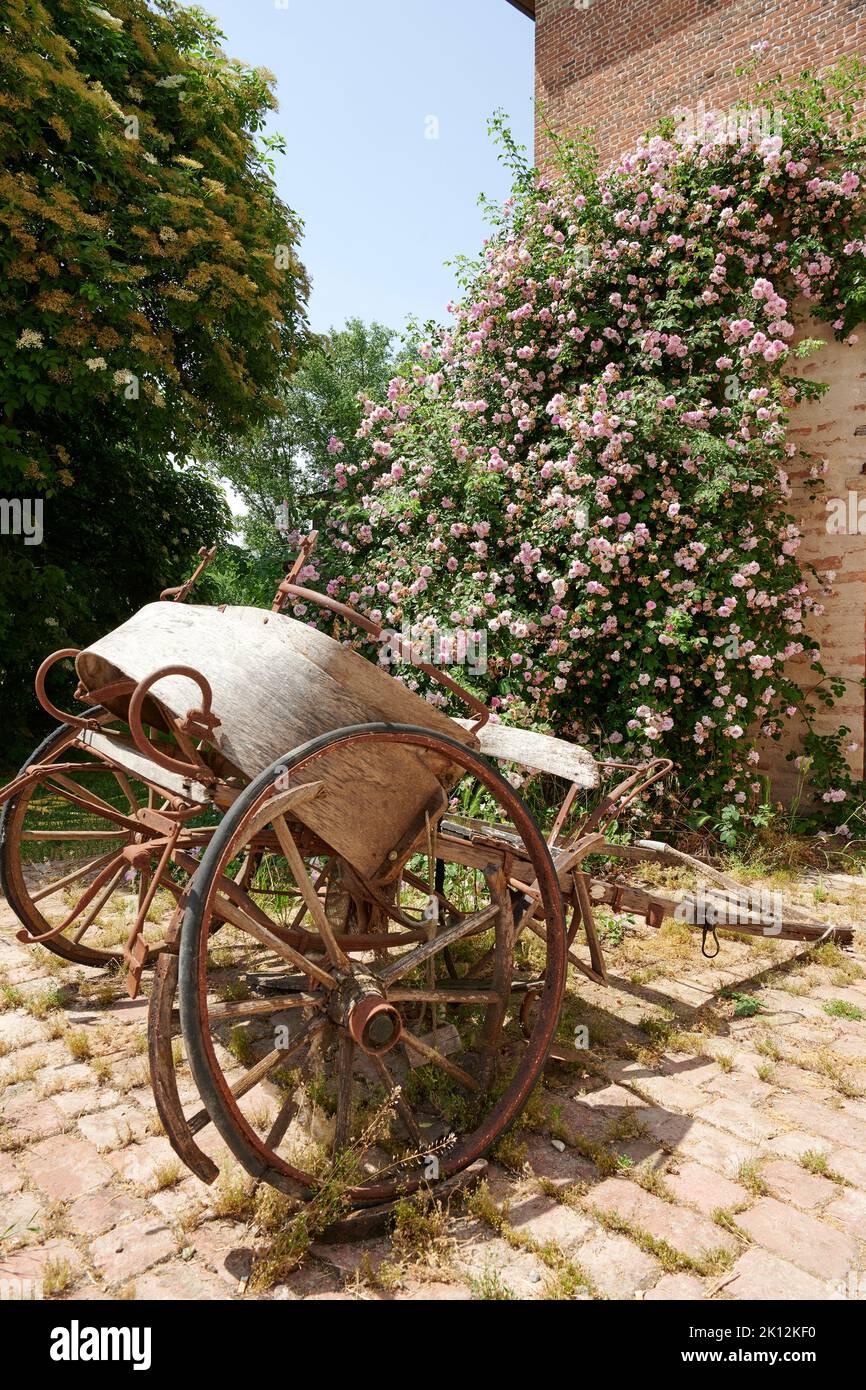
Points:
(151, 294)
(284, 471)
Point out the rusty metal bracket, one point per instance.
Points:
(181, 592)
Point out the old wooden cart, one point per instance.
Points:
(358, 926)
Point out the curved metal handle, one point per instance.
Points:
(360, 620)
(74, 720)
(200, 722)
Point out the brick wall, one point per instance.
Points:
(826, 429)
(620, 64)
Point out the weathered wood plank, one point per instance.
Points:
(541, 752)
(276, 684)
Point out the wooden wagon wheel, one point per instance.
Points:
(67, 851)
(385, 1071)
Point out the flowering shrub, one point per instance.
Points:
(591, 460)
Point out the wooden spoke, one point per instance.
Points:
(431, 1055)
(503, 965)
(277, 1131)
(253, 920)
(117, 817)
(404, 1109)
(465, 927)
(263, 1068)
(90, 893)
(257, 1008)
(303, 909)
(345, 1059)
(97, 906)
(72, 877)
(308, 892)
(79, 835)
(443, 995)
(126, 786)
(98, 802)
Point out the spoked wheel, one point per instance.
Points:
(67, 859)
(368, 1033)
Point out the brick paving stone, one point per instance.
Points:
(715, 1148)
(19, 1030)
(791, 1182)
(849, 1210)
(685, 1230)
(434, 1293)
(564, 1169)
(676, 1287)
(21, 1216)
(698, 1070)
(65, 1076)
(31, 1261)
(227, 1249)
(11, 1176)
(800, 1081)
(179, 1279)
(759, 1275)
(616, 1266)
(507, 1187)
(138, 1163)
(30, 1119)
(675, 1092)
(613, 1099)
(130, 1249)
(311, 1277)
(65, 1166)
(96, 1212)
(335, 1296)
(112, 1129)
(179, 1203)
(350, 1256)
(811, 1244)
(836, 1125)
(740, 1119)
(585, 1120)
(481, 1257)
(85, 1101)
(544, 1219)
(852, 1048)
(851, 1163)
(699, 1187)
(850, 994)
(739, 1089)
(794, 1142)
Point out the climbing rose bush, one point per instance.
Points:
(590, 462)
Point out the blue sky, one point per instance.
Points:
(358, 82)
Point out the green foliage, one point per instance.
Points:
(152, 299)
(282, 469)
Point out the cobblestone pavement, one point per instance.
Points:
(711, 1143)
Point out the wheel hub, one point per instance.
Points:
(359, 1005)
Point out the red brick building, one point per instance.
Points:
(618, 66)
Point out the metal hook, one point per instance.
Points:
(710, 955)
